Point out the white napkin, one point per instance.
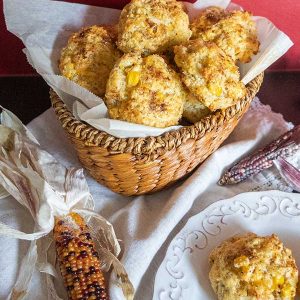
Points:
(44, 26)
(146, 224)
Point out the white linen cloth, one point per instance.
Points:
(145, 224)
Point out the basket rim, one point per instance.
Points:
(151, 144)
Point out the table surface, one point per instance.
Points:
(28, 96)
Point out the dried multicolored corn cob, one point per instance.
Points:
(286, 145)
(78, 260)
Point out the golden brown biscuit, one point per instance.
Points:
(206, 19)
(235, 34)
(209, 74)
(193, 109)
(145, 91)
(151, 26)
(253, 267)
(89, 57)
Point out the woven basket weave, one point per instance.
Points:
(135, 166)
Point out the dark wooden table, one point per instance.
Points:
(28, 96)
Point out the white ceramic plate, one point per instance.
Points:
(183, 274)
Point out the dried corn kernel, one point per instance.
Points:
(287, 291)
(262, 283)
(133, 78)
(159, 96)
(258, 275)
(215, 90)
(278, 280)
(78, 260)
(69, 70)
(241, 261)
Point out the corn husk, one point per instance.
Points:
(289, 173)
(48, 190)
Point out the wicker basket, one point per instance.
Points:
(135, 166)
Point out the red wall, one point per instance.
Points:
(284, 13)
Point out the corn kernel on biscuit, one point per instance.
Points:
(193, 109)
(206, 19)
(89, 57)
(145, 91)
(235, 34)
(253, 267)
(152, 26)
(209, 74)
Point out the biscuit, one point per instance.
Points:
(206, 19)
(145, 91)
(235, 34)
(152, 26)
(253, 267)
(89, 57)
(209, 74)
(193, 109)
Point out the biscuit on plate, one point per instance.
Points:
(209, 74)
(151, 26)
(253, 267)
(193, 109)
(145, 90)
(206, 19)
(89, 57)
(235, 34)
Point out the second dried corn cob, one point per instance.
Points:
(286, 145)
(78, 259)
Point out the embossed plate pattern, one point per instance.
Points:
(183, 274)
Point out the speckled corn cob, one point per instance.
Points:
(78, 260)
(286, 145)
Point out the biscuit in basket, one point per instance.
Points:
(89, 57)
(206, 19)
(193, 109)
(235, 34)
(145, 91)
(253, 267)
(209, 74)
(152, 26)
